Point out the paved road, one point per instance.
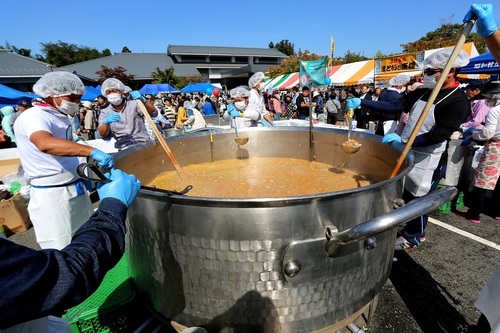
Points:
(443, 277)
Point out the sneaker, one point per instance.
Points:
(403, 244)
(450, 326)
(466, 216)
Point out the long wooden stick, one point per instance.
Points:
(433, 95)
(161, 139)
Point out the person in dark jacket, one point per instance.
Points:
(35, 284)
(387, 121)
(448, 111)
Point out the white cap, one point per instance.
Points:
(112, 83)
(59, 83)
(439, 59)
(255, 79)
(399, 80)
(87, 104)
(240, 91)
(315, 93)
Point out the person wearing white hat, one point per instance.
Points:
(387, 121)
(122, 118)
(255, 110)
(449, 110)
(59, 202)
(488, 301)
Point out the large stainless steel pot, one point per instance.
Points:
(266, 265)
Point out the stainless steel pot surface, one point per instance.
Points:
(261, 265)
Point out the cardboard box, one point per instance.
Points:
(9, 166)
(14, 216)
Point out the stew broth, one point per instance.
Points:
(261, 177)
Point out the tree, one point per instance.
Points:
(291, 64)
(444, 36)
(286, 47)
(119, 73)
(165, 76)
(23, 52)
(353, 57)
(126, 50)
(62, 54)
(185, 80)
(271, 45)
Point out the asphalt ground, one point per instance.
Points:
(441, 278)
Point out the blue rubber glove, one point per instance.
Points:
(467, 141)
(235, 113)
(123, 187)
(486, 24)
(112, 118)
(353, 103)
(265, 123)
(391, 137)
(105, 160)
(137, 95)
(468, 132)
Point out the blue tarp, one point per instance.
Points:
(91, 93)
(482, 64)
(155, 88)
(198, 87)
(9, 96)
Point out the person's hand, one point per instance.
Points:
(486, 24)
(235, 114)
(353, 103)
(136, 94)
(112, 118)
(468, 132)
(123, 187)
(466, 142)
(390, 138)
(105, 160)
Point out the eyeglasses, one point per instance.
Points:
(432, 71)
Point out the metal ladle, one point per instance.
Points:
(350, 146)
(240, 141)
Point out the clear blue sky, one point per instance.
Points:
(363, 27)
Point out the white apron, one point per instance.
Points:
(390, 126)
(418, 181)
(57, 211)
(489, 301)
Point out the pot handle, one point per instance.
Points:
(379, 224)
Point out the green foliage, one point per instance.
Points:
(291, 64)
(119, 73)
(353, 57)
(168, 76)
(185, 80)
(126, 50)
(444, 36)
(62, 54)
(284, 46)
(165, 76)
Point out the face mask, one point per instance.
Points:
(115, 99)
(240, 105)
(401, 90)
(262, 87)
(429, 81)
(67, 107)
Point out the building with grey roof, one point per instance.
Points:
(228, 66)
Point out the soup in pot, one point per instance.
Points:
(261, 177)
